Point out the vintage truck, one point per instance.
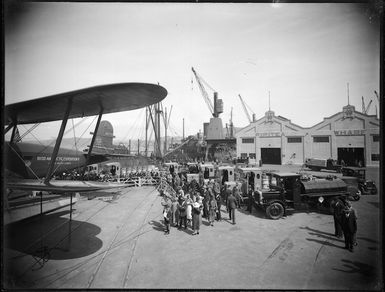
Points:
(282, 192)
(319, 164)
(225, 173)
(366, 186)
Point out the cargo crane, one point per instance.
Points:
(365, 109)
(378, 100)
(215, 109)
(246, 111)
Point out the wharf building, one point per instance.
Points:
(348, 135)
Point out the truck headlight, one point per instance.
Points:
(321, 199)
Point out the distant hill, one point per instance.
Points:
(81, 143)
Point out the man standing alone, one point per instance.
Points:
(231, 206)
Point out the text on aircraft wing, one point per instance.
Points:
(62, 186)
(85, 102)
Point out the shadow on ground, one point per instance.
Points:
(352, 267)
(52, 237)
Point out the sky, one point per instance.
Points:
(303, 54)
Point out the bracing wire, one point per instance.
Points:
(21, 158)
(54, 141)
(29, 130)
(130, 129)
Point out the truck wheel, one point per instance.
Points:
(275, 211)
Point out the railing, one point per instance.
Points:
(165, 188)
(140, 181)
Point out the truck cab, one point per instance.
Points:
(365, 186)
(192, 171)
(172, 167)
(287, 191)
(226, 173)
(208, 171)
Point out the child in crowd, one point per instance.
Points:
(167, 218)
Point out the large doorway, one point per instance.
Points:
(351, 156)
(271, 155)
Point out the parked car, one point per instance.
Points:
(352, 187)
(367, 187)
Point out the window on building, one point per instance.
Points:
(247, 140)
(321, 139)
(375, 157)
(252, 155)
(376, 138)
(243, 155)
(294, 139)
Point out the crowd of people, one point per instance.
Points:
(195, 200)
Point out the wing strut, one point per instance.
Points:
(93, 140)
(13, 133)
(8, 128)
(58, 142)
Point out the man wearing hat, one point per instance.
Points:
(349, 226)
(231, 206)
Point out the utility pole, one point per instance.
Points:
(138, 147)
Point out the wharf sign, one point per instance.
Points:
(349, 132)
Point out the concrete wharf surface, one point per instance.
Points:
(118, 242)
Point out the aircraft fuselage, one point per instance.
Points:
(31, 160)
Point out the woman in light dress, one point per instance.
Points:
(189, 203)
(197, 215)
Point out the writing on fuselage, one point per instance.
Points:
(59, 159)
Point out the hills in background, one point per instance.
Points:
(83, 143)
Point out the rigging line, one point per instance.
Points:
(34, 136)
(139, 125)
(142, 124)
(171, 127)
(141, 128)
(21, 158)
(29, 130)
(89, 125)
(54, 141)
(129, 130)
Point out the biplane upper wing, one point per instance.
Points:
(91, 101)
(85, 102)
(62, 186)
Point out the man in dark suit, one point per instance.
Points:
(349, 227)
(231, 206)
(338, 207)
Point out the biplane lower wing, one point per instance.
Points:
(62, 186)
